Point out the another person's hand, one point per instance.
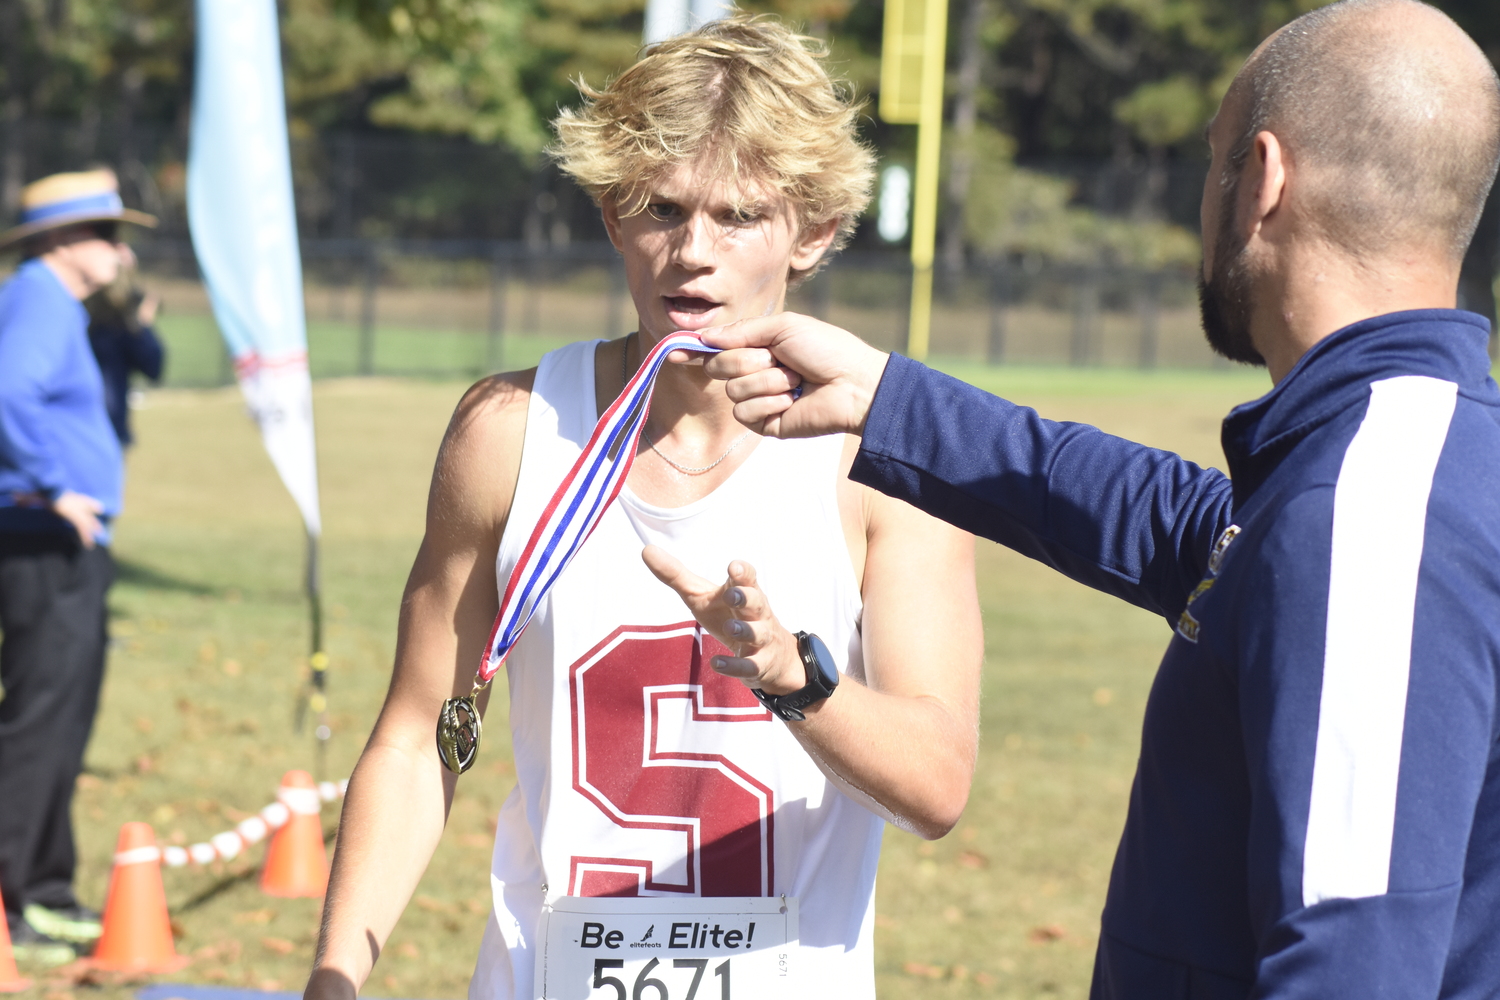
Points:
(82, 512)
(738, 615)
(145, 314)
(767, 358)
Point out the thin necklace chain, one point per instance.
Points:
(686, 470)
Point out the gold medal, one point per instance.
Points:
(458, 731)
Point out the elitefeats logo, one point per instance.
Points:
(1187, 626)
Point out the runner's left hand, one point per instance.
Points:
(738, 615)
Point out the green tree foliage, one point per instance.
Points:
(1035, 85)
(454, 67)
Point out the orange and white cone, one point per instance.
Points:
(296, 861)
(10, 976)
(137, 931)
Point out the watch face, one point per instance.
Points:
(824, 661)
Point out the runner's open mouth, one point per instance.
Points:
(690, 304)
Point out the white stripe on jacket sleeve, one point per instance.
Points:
(1379, 520)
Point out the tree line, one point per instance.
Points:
(1041, 93)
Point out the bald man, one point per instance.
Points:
(1316, 811)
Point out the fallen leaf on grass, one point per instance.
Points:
(924, 970)
(984, 979)
(83, 973)
(408, 950)
(476, 840)
(431, 905)
(972, 859)
(64, 976)
(1042, 935)
(255, 917)
(280, 946)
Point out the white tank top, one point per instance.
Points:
(641, 771)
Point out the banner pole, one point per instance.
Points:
(317, 698)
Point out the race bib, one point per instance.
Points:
(650, 948)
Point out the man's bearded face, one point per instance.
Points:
(1224, 299)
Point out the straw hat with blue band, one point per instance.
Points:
(70, 199)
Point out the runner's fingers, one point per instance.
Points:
(749, 603)
(736, 666)
(751, 636)
(741, 573)
(697, 593)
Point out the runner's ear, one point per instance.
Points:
(609, 208)
(813, 244)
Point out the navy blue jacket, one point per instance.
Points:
(1316, 809)
(54, 432)
(121, 351)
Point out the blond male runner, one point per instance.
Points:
(726, 165)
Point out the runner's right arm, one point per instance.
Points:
(400, 793)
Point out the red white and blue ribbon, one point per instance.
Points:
(579, 504)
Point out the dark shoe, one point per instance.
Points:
(74, 924)
(32, 947)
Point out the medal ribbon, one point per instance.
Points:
(579, 504)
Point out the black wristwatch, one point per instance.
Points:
(822, 678)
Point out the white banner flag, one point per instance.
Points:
(244, 227)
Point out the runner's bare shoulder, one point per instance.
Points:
(480, 459)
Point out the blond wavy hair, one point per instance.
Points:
(746, 97)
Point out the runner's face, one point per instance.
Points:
(702, 254)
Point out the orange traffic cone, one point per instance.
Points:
(10, 976)
(137, 933)
(296, 861)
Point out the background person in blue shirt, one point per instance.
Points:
(60, 485)
(1316, 808)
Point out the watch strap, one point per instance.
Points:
(788, 707)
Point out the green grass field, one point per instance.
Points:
(209, 648)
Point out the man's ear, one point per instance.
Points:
(813, 244)
(609, 208)
(1264, 184)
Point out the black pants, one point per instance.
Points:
(51, 665)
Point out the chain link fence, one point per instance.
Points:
(462, 309)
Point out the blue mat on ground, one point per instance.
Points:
(183, 991)
(179, 991)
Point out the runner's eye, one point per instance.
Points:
(663, 211)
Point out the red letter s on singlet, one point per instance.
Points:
(620, 690)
